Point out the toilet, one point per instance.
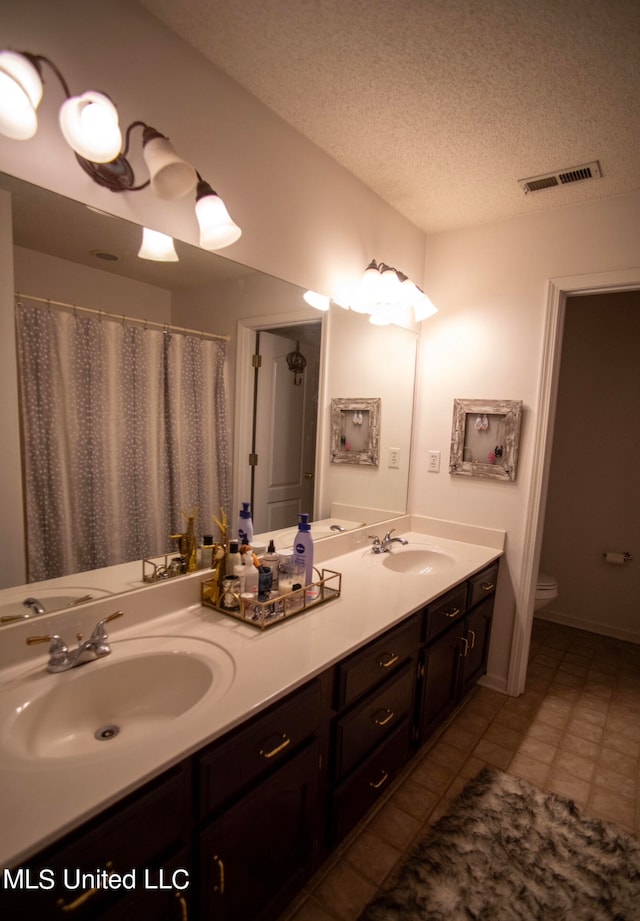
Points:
(546, 590)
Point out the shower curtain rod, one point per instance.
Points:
(121, 318)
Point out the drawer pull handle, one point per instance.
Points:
(487, 586)
(387, 660)
(383, 717)
(376, 784)
(275, 751)
(182, 903)
(220, 868)
(452, 613)
(472, 637)
(84, 898)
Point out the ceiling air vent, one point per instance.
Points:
(561, 177)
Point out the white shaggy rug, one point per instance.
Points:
(508, 851)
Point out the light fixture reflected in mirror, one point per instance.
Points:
(159, 247)
(319, 301)
(90, 126)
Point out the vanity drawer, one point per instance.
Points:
(364, 787)
(242, 758)
(483, 584)
(370, 722)
(381, 658)
(444, 612)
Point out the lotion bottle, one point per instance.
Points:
(245, 525)
(303, 547)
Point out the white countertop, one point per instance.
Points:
(43, 798)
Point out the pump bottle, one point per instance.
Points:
(303, 547)
(245, 525)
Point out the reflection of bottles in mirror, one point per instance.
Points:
(245, 525)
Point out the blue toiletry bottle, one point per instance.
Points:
(303, 547)
(245, 525)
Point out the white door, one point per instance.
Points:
(284, 424)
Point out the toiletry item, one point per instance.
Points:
(291, 575)
(206, 552)
(192, 547)
(233, 557)
(272, 559)
(303, 546)
(245, 525)
(251, 578)
(230, 595)
(239, 571)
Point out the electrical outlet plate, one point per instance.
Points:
(394, 457)
(433, 462)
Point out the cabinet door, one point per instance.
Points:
(440, 680)
(258, 853)
(476, 651)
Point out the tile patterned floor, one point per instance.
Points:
(575, 731)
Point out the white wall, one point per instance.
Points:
(593, 503)
(490, 284)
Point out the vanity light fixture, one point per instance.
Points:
(384, 290)
(156, 246)
(90, 126)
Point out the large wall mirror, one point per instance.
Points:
(64, 251)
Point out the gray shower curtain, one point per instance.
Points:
(125, 432)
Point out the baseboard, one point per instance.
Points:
(602, 629)
(493, 683)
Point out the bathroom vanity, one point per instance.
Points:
(225, 811)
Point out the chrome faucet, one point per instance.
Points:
(61, 658)
(383, 544)
(36, 606)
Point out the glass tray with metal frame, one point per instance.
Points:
(276, 608)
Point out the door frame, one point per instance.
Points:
(557, 292)
(243, 404)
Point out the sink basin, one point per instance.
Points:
(123, 699)
(417, 561)
(52, 599)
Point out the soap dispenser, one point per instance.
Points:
(303, 547)
(245, 525)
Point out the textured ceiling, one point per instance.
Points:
(440, 106)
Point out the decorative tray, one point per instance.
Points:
(276, 608)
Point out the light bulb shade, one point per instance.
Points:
(20, 95)
(90, 126)
(367, 293)
(319, 301)
(158, 247)
(423, 307)
(217, 230)
(171, 177)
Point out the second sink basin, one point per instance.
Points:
(124, 698)
(417, 561)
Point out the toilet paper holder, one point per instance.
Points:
(611, 557)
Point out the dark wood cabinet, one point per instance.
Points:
(456, 635)
(235, 831)
(258, 853)
(372, 727)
